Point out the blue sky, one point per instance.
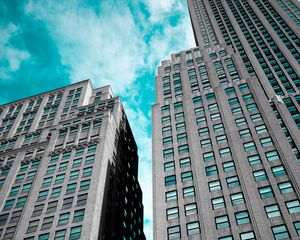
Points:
(49, 44)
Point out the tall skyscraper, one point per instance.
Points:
(68, 167)
(226, 126)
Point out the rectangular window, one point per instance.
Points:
(254, 160)
(82, 199)
(92, 148)
(266, 142)
(67, 203)
(285, 187)
(297, 227)
(172, 213)
(203, 131)
(168, 152)
(237, 198)
(84, 185)
(209, 156)
(56, 192)
(265, 192)
(185, 162)
(47, 223)
(278, 171)
(75, 233)
(63, 218)
(240, 121)
(32, 226)
(171, 196)
(273, 211)
(211, 170)
(293, 206)
(169, 166)
(247, 236)
(228, 166)
(181, 137)
(78, 215)
(221, 139)
(186, 176)
(233, 182)
(218, 203)
(214, 186)
(170, 180)
(249, 146)
(222, 222)
(174, 232)
(260, 175)
(193, 228)
(188, 192)
(224, 152)
(242, 217)
(280, 232)
(272, 155)
(183, 149)
(256, 117)
(51, 207)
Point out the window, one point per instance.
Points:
(52, 207)
(171, 196)
(185, 162)
(248, 236)
(272, 211)
(169, 166)
(56, 192)
(78, 215)
(190, 209)
(63, 218)
(226, 238)
(209, 156)
(167, 140)
(71, 188)
(170, 180)
(60, 178)
(242, 217)
(222, 222)
(285, 187)
(84, 185)
(293, 206)
(89, 159)
(193, 228)
(67, 203)
(297, 227)
(180, 127)
(74, 174)
(174, 232)
(183, 149)
(221, 139)
(266, 142)
(224, 152)
(38, 209)
(92, 148)
(214, 186)
(249, 146)
(60, 235)
(43, 195)
(75, 233)
(245, 133)
(265, 192)
(236, 111)
(260, 175)
(254, 160)
(66, 155)
(186, 176)
(233, 182)
(261, 129)
(87, 172)
(179, 116)
(218, 127)
(81, 200)
(211, 170)
(205, 143)
(228, 166)
(77, 162)
(44, 236)
(237, 198)
(280, 232)
(168, 152)
(79, 152)
(218, 203)
(240, 121)
(188, 192)
(251, 107)
(272, 155)
(203, 131)
(278, 171)
(32, 226)
(172, 213)
(256, 117)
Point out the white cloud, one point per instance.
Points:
(12, 55)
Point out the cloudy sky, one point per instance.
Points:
(49, 44)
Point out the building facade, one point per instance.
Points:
(68, 167)
(226, 126)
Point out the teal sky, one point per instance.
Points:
(49, 44)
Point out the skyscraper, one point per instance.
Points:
(226, 126)
(69, 167)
